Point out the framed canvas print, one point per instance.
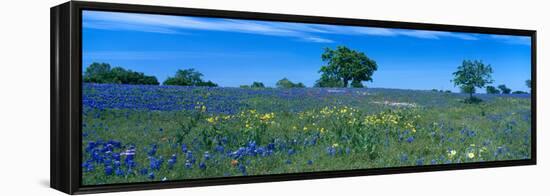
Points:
(148, 97)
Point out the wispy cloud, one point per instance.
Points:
(510, 39)
(161, 55)
(306, 32)
(318, 40)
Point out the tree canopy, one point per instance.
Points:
(257, 85)
(504, 89)
(344, 65)
(188, 77)
(471, 75)
(492, 90)
(103, 73)
(286, 83)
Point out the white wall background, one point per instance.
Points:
(24, 99)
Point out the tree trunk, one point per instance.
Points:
(346, 83)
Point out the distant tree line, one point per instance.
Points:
(502, 89)
(188, 77)
(103, 73)
(282, 83)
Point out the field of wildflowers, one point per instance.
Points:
(141, 133)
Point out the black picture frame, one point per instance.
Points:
(66, 54)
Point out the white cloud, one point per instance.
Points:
(318, 40)
(306, 32)
(510, 39)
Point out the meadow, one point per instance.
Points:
(142, 133)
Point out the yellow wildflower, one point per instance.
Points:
(451, 153)
(211, 119)
(471, 155)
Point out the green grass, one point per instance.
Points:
(364, 133)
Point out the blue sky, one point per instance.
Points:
(234, 52)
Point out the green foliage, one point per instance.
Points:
(102, 73)
(471, 75)
(344, 64)
(504, 89)
(363, 134)
(520, 92)
(188, 77)
(356, 84)
(329, 82)
(286, 83)
(528, 83)
(492, 90)
(257, 85)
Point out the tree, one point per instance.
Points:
(97, 73)
(504, 89)
(286, 83)
(471, 75)
(356, 84)
(188, 77)
(257, 85)
(492, 90)
(519, 92)
(102, 73)
(528, 83)
(329, 82)
(344, 64)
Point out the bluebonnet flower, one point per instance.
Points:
(242, 168)
(309, 162)
(206, 155)
(291, 151)
(202, 165)
(88, 167)
(189, 155)
(331, 151)
(151, 176)
(271, 146)
(219, 148)
(188, 164)
(404, 158)
(116, 163)
(410, 139)
(252, 144)
(171, 163)
(90, 146)
(130, 163)
(115, 143)
(420, 162)
(288, 161)
(116, 156)
(153, 150)
(119, 172)
(155, 163)
(184, 148)
(223, 140)
(433, 162)
(143, 171)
